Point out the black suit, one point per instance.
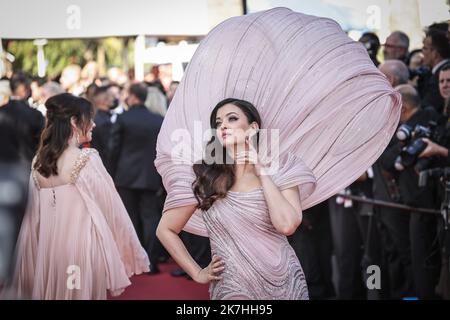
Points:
(102, 134)
(430, 93)
(394, 236)
(132, 155)
(355, 244)
(313, 246)
(12, 208)
(133, 149)
(425, 257)
(28, 124)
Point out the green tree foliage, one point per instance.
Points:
(60, 53)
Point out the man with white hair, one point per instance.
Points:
(395, 71)
(48, 90)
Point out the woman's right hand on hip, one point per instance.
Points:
(212, 271)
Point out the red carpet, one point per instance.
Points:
(163, 287)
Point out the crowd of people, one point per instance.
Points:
(128, 116)
(406, 245)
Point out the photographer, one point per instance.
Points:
(433, 148)
(354, 237)
(392, 223)
(422, 227)
(439, 151)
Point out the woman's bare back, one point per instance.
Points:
(65, 164)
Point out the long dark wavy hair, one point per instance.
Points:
(57, 132)
(213, 180)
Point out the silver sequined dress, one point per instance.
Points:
(260, 264)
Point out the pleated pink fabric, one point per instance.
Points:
(85, 232)
(334, 111)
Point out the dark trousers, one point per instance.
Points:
(394, 232)
(312, 245)
(144, 208)
(425, 253)
(355, 247)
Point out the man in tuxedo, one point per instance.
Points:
(436, 53)
(393, 223)
(101, 134)
(132, 155)
(27, 122)
(425, 259)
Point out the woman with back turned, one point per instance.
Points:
(76, 240)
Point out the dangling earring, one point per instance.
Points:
(77, 137)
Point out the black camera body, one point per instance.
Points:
(414, 145)
(421, 72)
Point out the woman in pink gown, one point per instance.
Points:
(247, 214)
(318, 94)
(76, 240)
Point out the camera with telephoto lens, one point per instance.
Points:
(414, 145)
